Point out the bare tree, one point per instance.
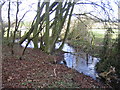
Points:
(1, 21)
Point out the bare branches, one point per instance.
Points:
(22, 18)
(91, 3)
(104, 13)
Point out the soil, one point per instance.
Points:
(36, 70)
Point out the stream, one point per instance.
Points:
(78, 60)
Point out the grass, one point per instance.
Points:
(99, 35)
(93, 49)
(98, 38)
(63, 84)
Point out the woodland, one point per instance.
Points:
(44, 43)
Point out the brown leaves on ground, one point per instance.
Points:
(35, 70)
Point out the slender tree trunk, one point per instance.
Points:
(8, 30)
(59, 22)
(119, 28)
(47, 47)
(16, 22)
(1, 21)
(32, 26)
(35, 40)
(57, 26)
(68, 25)
(24, 37)
(35, 31)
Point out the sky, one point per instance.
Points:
(26, 5)
(31, 6)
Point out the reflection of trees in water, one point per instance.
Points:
(77, 55)
(85, 56)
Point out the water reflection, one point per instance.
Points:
(80, 61)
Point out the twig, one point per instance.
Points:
(55, 72)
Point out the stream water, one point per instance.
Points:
(78, 60)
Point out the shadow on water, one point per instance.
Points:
(80, 61)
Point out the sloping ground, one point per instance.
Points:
(36, 70)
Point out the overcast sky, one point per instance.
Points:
(31, 5)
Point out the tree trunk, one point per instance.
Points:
(35, 31)
(47, 47)
(68, 25)
(8, 30)
(1, 21)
